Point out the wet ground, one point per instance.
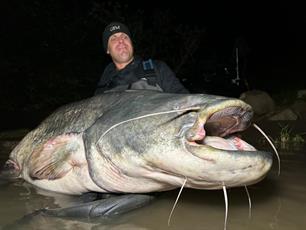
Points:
(278, 202)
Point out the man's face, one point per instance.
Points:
(120, 48)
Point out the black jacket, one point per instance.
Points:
(162, 75)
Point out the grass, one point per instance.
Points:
(287, 138)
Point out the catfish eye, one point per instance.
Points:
(176, 107)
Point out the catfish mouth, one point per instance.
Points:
(217, 128)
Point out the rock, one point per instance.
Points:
(284, 115)
(299, 108)
(261, 101)
(301, 94)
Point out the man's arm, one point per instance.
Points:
(101, 87)
(169, 82)
(105, 79)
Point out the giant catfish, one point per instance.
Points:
(138, 142)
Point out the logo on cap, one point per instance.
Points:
(114, 28)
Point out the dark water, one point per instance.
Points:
(278, 202)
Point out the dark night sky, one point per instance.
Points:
(275, 33)
(272, 30)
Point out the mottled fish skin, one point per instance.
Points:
(138, 142)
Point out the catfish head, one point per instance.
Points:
(153, 141)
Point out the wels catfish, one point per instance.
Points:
(137, 142)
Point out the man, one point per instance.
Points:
(129, 72)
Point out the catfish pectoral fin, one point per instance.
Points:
(54, 159)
